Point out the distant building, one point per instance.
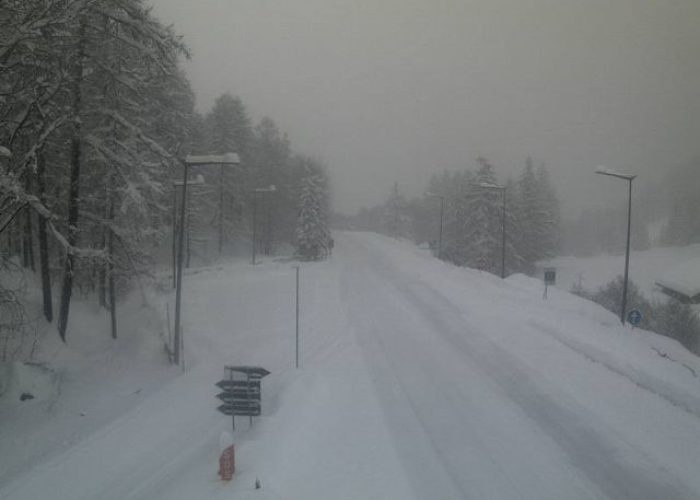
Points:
(682, 282)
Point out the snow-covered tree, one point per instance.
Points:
(536, 216)
(86, 80)
(313, 239)
(395, 219)
(483, 226)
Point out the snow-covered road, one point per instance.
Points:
(418, 380)
(470, 418)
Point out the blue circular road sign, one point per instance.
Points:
(634, 317)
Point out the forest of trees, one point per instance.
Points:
(472, 233)
(95, 117)
(683, 224)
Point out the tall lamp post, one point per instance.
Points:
(629, 178)
(442, 209)
(486, 185)
(228, 159)
(198, 181)
(270, 189)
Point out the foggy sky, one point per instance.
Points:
(394, 90)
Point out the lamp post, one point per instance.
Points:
(442, 209)
(486, 185)
(228, 159)
(198, 181)
(270, 189)
(629, 178)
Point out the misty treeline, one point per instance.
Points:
(95, 117)
(664, 213)
(472, 217)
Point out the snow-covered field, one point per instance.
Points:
(646, 267)
(418, 380)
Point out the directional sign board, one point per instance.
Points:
(634, 317)
(231, 385)
(240, 409)
(241, 391)
(238, 394)
(251, 371)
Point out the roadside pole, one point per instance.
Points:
(297, 319)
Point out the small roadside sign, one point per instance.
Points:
(634, 317)
(550, 276)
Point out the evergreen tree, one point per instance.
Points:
(537, 216)
(271, 162)
(549, 210)
(395, 219)
(457, 188)
(228, 127)
(483, 223)
(313, 240)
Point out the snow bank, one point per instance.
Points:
(21, 382)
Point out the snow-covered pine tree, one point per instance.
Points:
(395, 219)
(532, 232)
(313, 239)
(483, 223)
(457, 187)
(271, 162)
(228, 128)
(551, 211)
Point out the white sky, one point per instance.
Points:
(386, 90)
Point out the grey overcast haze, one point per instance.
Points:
(395, 90)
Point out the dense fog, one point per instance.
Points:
(394, 91)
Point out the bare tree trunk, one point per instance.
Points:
(110, 263)
(73, 191)
(103, 265)
(43, 240)
(27, 232)
(28, 241)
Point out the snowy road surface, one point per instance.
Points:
(471, 418)
(419, 380)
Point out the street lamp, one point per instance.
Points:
(270, 189)
(442, 208)
(629, 178)
(486, 185)
(228, 159)
(197, 181)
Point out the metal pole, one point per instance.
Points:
(178, 290)
(627, 254)
(187, 236)
(503, 242)
(221, 208)
(297, 329)
(255, 212)
(442, 203)
(174, 237)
